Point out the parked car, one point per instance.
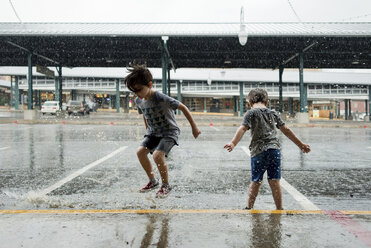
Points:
(50, 107)
(77, 107)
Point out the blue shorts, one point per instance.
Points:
(269, 161)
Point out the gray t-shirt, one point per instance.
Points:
(262, 122)
(159, 114)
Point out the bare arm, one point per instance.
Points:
(290, 134)
(195, 131)
(237, 137)
(145, 122)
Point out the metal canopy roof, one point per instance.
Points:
(194, 45)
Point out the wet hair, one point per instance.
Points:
(257, 95)
(138, 75)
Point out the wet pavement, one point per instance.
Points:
(57, 167)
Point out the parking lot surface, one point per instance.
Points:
(77, 185)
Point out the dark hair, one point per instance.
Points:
(138, 75)
(257, 95)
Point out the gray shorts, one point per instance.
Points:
(163, 144)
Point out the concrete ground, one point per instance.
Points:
(74, 182)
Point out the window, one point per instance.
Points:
(341, 89)
(311, 89)
(318, 89)
(326, 89)
(228, 86)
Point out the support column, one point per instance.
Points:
(179, 95)
(291, 106)
(205, 101)
(346, 108)
(11, 93)
(39, 100)
(280, 89)
(366, 107)
(235, 105)
(303, 108)
(127, 102)
(117, 96)
(305, 96)
(338, 113)
(164, 69)
(60, 88)
(303, 116)
(36, 98)
(369, 102)
(22, 98)
(350, 109)
(241, 98)
(168, 82)
(29, 77)
(56, 93)
(16, 93)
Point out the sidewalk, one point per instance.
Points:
(133, 118)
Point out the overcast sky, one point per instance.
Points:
(185, 10)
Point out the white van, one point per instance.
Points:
(50, 107)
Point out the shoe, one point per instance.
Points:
(164, 191)
(246, 208)
(149, 186)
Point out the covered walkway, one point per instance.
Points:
(183, 45)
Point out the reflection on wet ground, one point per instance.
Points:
(175, 230)
(153, 221)
(334, 176)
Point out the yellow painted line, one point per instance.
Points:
(355, 212)
(171, 211)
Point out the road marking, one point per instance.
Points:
(3, 148)
(303, 201)
(174, 211)
(215, 128)
(351, 226)
(246, 150)
(75, 174)
(369, 147)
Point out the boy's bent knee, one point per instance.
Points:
(158, 156)
(142, 151)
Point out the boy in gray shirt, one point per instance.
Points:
(162, 129)
(264, 146)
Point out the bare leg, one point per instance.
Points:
(159, 158)
(253, 193)
(142, 154)
(276, 192)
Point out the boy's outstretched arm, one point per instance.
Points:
(145, 122)
(187, 114)
(237, 137)
(290, 134)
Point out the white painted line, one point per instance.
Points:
(299, 197)
(3, 148)
(246, 150)
(303, 201)
(76, 174)
(369, 147)
(217, 129)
